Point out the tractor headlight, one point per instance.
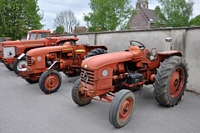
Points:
(105, 73)
(39, 58)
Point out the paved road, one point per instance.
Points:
(24, 108)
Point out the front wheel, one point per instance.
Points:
(121, 108)
(18, 64)
(170, 81)
(50, 81)
(77, 97)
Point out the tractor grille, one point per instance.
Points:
(29, 62)
(87, 76)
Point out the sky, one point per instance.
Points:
(51, 8)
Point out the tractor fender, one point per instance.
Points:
(170, 53)
(96, 46)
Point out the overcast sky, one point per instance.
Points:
(52, 7)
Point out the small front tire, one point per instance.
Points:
(18, 64)
(122, 108)
(50, 81)
(77, 97)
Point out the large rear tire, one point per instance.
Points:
(96, 51)
(9, 67)
(77, 97)
(122, 108)
(50, 81)
(18, 64)
(170, 81)
(32, 80)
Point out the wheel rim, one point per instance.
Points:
(22, 62)
(82, 96)
(177, 82)
(125, 109)
(51, 82)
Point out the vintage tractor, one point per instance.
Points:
(32, 35)
(44, 64)
(3, 39)
(13, 49)
(124, 72)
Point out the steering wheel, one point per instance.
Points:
(137, 43)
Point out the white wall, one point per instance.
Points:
(186, 40)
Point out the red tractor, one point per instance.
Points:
(13, 49)
(32, 35)
(44, 64)
(124, 72)
(3, 39)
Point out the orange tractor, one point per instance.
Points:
(14, 51)
(32, 35)
(114, 76)
(3, 39)
(44, 64)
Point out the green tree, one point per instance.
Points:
(174, 13)
(66, 19)
(195, 21)
(59, 30)
(19, 16)
(108, 15)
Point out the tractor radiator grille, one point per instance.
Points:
(29, 62)
(87, 76)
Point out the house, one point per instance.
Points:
(79, 29)
(144, 18)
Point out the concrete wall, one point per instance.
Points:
(184, 39)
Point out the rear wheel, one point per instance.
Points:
(18, 64)
(170, 81)
(77, 97)
(9, 67)
(121, 108)
(96, 51)
(32, 80)
(50, 81)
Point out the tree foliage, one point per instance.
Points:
(108, 15)
(195, 21)
(67, 20)
(59, 30)
(174, 13)
(19, 16)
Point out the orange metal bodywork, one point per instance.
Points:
(31, 32)
(107, 73)
(68, 59)
(25, 45)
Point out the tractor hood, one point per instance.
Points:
(27, 43)
(11, 43)
(99, 61)
(37, 51)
